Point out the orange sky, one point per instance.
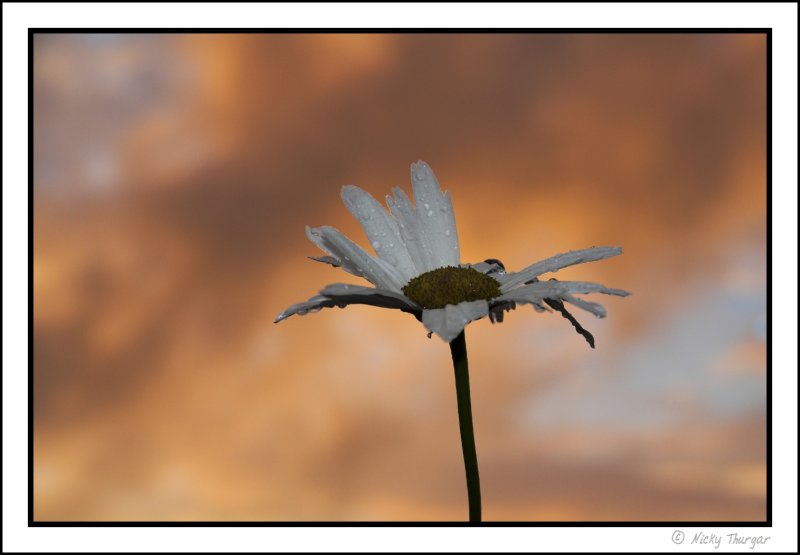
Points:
(174, 176)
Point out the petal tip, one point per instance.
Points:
(348, 190)
(421, 171)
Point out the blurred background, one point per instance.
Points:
(173, 179)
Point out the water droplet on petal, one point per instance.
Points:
(447, 232)
(376, 245)
(430, 213)
(427, 206)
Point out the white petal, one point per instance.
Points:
(354, 259)
(381, 229)
(482, 267)
(557, 262)
(535, 293)
(341, 295)
(493, 269)
(449, 321)
(412, 235)
(435, 216)
(387, 298)
(595, 308)
(313, 304)
(557, 289)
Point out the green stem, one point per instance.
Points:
(458, 348)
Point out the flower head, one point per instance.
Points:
(418, 269)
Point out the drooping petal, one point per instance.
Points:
(413, 236)
(381, 230)
(557, 262)
(435, 217)
(354, 259)
(449, 321)
(497, 310)
(559, 306)
(342, 294)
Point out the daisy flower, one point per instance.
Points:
(417, 269)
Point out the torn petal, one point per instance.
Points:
(497, 310)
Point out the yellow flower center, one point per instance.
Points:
(450, 285)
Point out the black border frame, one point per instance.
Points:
(767, 32)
